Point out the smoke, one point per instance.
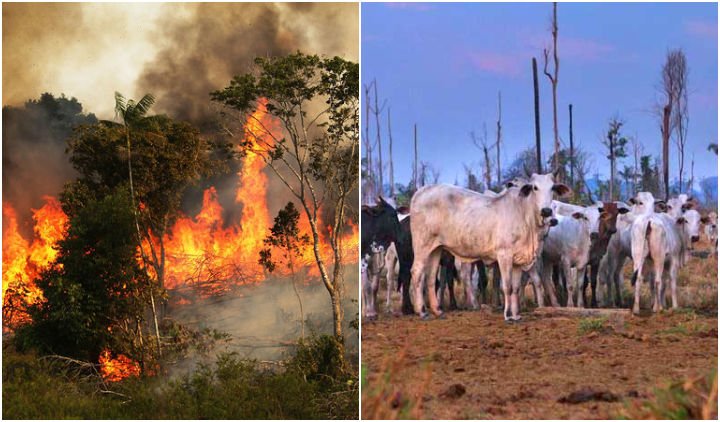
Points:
(263, 320)
(215, 41)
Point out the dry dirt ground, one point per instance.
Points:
(473, 365)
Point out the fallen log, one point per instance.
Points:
(549, 311)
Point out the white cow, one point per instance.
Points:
(371, 282)
(711, 231)
(568, 244)
(663, 240)
(472, 226)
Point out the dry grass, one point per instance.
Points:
(383, 399)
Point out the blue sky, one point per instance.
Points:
(441, 66)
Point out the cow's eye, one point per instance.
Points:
(669, 207)
(639, 203)
(535, 187)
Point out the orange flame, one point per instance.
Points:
(114, 370)
(23, 262)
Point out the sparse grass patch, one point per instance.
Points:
(589, 325)
(694, 398)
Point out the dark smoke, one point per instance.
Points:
(34, 160)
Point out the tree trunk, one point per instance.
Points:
(487, 166)
(572, 152)
(666, 148)
(538, 152)
(499, 140)
(392, 171)
(415, 165)
(612, 168)
(379, 142)
(368, 149)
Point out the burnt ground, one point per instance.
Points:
(473, 365)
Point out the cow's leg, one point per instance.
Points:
(482, 280)
(546, 272)
(638, 275)
(581, 271)
(375, 284)
(418, 280)
(537, 285)
(570, 278)
(451, 288)
(368, 297)
(470, 299)
(505, 266)
(497, 277)
(516, 276)
(431, 275)
(440, 287)
(659, 302)
(673, 282)
(594, 269)
(391, 282)
(617, 281)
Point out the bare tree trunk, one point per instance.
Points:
(415, 165)
(538, 152)
(554, 81)
(499, 141)
(379, 142)
(666, 148)
(368, 147)
(392, 172)
(691, 182)
(636, 154)
(612, 168)
(572, 151)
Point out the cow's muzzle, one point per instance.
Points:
(695, 239)
(546, 212)
(612, 231)
(594, 236)
(553, 222)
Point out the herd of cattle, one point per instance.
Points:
(524, 235)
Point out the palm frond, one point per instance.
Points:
(144, 104)
(120, 105)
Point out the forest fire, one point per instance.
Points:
(201, 252)
(117, 369)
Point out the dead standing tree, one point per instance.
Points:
(536, 94)
(370, 175)
(377, 110)
(390, 158)
(498, 140)
(482, 145)
(554, 82)
(674, 92)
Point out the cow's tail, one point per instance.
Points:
(639, 255)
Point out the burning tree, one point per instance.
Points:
(285, 235)
(316, 101)
(95, 292)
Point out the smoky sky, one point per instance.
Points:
(177, 52)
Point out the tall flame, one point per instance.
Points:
(23, 261)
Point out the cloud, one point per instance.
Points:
(701, 28)
(498, 63)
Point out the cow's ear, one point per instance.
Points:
(623, 210)
(681, 220)
(403, 210)
(525, 190)
(632, 201)
(601, 210)
(578, 215)
(509, 184)
(561, 189)
(705, 220)
(687, 206)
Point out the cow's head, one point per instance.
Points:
(608, 218)
(380, 224)
(540, 189)
(643, 203)
(692, 225)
